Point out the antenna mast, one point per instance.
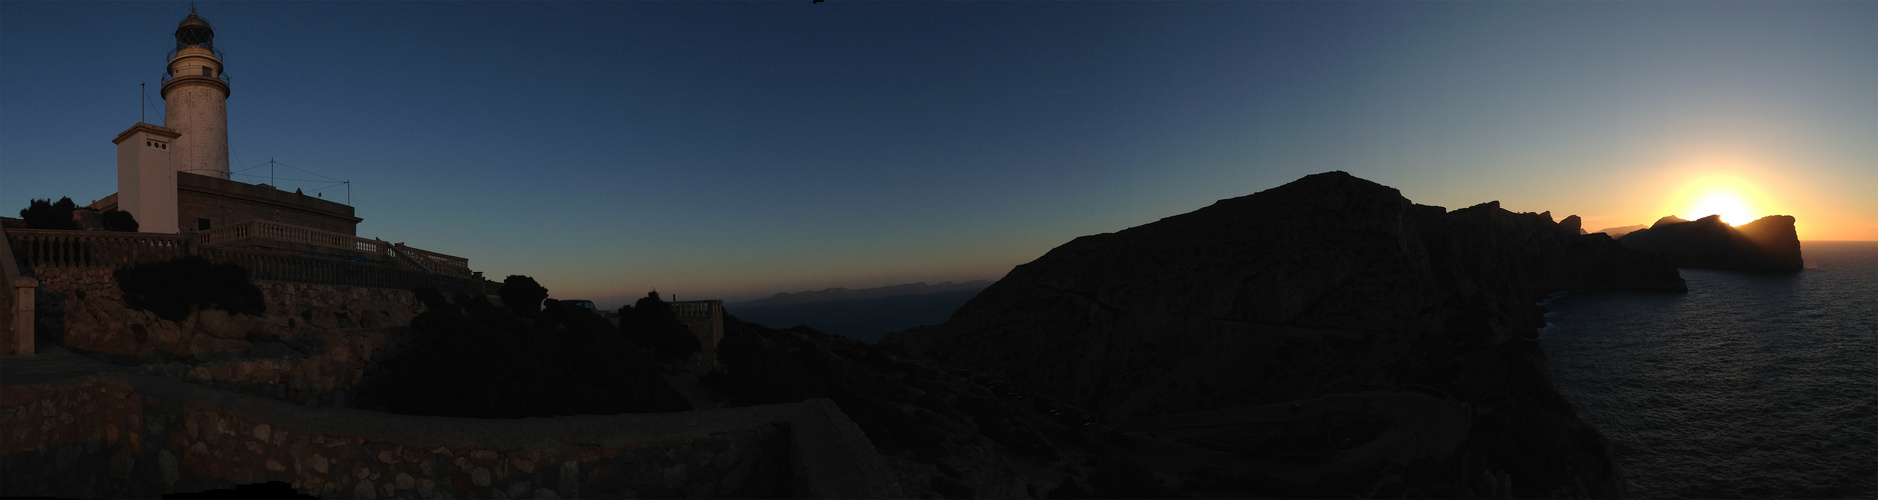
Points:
(140, 101)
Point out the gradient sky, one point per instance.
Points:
(733, 150)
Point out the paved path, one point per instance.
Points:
(52, 364)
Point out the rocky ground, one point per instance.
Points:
(1324, 338)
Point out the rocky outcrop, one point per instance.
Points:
(1619, 232)
(1767, 245)
(1323, 314)
(1572, 224)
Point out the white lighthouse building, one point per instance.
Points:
(195, 95)
(175, 178)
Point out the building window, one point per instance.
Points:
(206, 71)
(202, 224)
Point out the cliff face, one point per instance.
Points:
(1769, 244)
(1308, 298)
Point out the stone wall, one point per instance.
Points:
(324, 371)
(121, 433)
(85, 307)
(225, 202)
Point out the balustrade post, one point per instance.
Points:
(23, 309)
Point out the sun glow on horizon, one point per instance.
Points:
(1732, 209)
(1730, 191)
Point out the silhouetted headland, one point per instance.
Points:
(1324, 338)
(1767, 245)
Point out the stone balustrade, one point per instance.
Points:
(275, 231)
(449, 261)
(16, 303)
(55, 248)
(37, 249)
(276, 265)
(693, 309)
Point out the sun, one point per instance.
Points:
(1726, 203)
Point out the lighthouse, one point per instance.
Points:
(195, 96)
(174, 178)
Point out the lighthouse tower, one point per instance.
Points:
(195, 95)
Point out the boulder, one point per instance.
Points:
(1572, 225)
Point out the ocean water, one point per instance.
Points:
(1747, 386)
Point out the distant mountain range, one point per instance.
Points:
(1619, 232)
(863, 314)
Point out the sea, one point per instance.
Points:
(1761, 386)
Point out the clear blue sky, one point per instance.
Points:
(732, 150)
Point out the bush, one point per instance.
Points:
(117, 220)
(172, 288)
(472, 359)
(523, 295)
(45, 214)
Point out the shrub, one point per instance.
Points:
(473, 359)
(651, 322)
(118, 220)
(46, 214)
(523, 295)
(172, 288)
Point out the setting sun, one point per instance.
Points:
(1727, 204)
(1736, 198)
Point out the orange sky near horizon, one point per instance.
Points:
(1741, 187)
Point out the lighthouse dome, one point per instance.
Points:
(194, 30)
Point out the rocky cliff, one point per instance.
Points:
(1769, 244)
(1326, 337)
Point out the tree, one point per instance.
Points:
(45, 214)
(650, 322)
(117, 220)
(523, 295)
(174, 288)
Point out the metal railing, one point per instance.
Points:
(219, 55)
(219, 75)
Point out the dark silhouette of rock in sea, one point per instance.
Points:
(1767, 245)
(1324, 338)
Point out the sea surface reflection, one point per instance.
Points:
(1746, 386)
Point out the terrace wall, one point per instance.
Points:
(120, 433)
